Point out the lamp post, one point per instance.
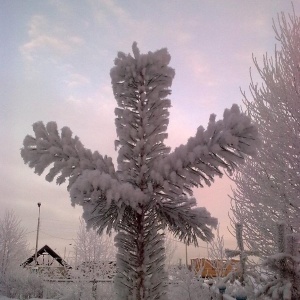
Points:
(65, 252)
(37, 233)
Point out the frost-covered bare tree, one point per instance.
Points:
(217, 256)
(151, 188)
(89, 246)
(267, 186)
(285, 265)
(170, 248)
(13, 243)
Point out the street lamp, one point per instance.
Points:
(37, 233)
(66, 251)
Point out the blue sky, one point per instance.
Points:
(55, 62)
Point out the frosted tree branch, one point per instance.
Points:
(64, 153)
(186, 221)
(222, 145)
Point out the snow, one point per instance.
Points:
(227, 297)
(5, 298)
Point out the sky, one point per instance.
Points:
(55, 59)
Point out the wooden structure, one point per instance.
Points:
(48, 263)
(214, 268)
(98, 270)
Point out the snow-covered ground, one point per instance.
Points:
(5, 298)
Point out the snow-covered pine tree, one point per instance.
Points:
(267, 186)
(152, 188)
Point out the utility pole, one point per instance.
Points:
(37, 234)
(186, 256)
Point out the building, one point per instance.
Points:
(49, 264)
(214, 268)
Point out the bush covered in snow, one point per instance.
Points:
(22, 285)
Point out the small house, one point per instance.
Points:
(49, 264)
(214, 268)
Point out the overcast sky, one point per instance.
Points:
(55, 62)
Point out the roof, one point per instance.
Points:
(51, 252)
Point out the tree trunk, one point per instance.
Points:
(140, 259)
(140, 246)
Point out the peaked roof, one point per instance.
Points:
(51, 252)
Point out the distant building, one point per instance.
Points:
(49, 264)
(210, 268)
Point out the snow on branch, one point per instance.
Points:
(94, 186)
(186, 221)
(64, 153)
(222, 145)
